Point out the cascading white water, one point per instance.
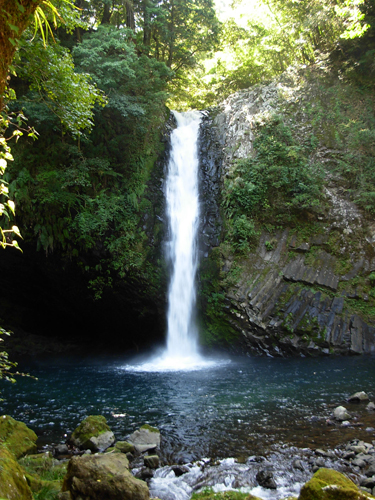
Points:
(182, 201)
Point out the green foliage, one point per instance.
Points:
(278, 183)
(354, 55)
(243, 232)
(343, 119)
(46, 493)
(175, 32)
(280, 34)
(7, 206)
(135, 84)
(87, 200)
(6, 366)
(278, 178)
(70, 96)
(44, 467)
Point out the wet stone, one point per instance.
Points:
(322, 453)
(320, 462)
(265, 479)
(297, 464)
(358, 397)
(179, 470)
(151, 461)
(359, 463)
(60, 450)
(368, 482)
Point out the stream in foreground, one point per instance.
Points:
(235, 408)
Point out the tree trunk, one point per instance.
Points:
(171, 37)
(106, 13)
(15, 15)
(129, 6)
(146, 24)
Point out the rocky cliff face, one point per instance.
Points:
(210, 158)
(296, 291)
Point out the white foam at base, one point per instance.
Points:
(176, 363)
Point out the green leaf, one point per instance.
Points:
(13, 27)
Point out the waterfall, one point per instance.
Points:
(182, 201)
(182, 208)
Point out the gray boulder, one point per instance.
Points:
(340, 413)
(358, 397)
(93, 434)
(145, 439)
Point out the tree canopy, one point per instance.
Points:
(96, 89)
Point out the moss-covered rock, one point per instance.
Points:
(328, 484)
(13, 483)
(17, 437)
(93, 434)
(146, 438)
(124, 447)
(150, 428)
(96, 477)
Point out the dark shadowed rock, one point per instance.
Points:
(265, 479)
(151, 461)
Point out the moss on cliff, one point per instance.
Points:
(304, 170)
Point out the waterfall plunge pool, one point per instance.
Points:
(234, 408)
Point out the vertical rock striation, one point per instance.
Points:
(294, 293)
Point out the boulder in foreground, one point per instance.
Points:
(17, 437)
(99, 477)
(13, 483)
(328, 484)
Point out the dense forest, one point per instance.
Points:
(86, 89)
